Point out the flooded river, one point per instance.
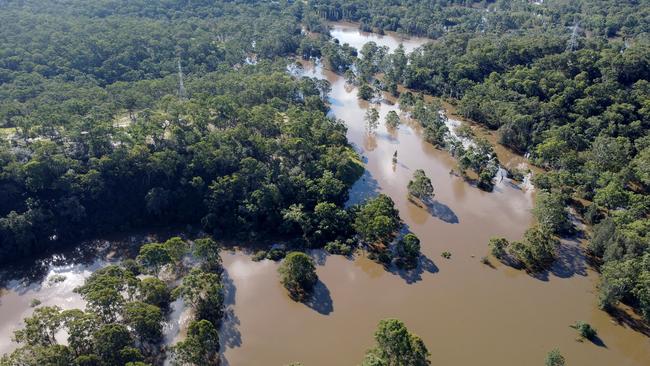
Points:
(467, 313)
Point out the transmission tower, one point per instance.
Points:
(182, 93)
(572, 45)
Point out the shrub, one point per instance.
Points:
(586, 331)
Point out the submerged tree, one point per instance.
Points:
(208, 251)
(585, 330)
(372, 119)
(537, 251)
(154, 256)
(554, 358)
(396, 346)
(550, 212)
(498, 247)
(200, 347)
(377, 220)
(366, 92)
(40, 329)
(204, 292)
(298, 275)
(392, 119)
(155, 292)
(176, 249)
(145, 320)
(408, 250)
(420, 186)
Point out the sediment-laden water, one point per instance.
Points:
(467, 313)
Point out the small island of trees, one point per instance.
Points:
(420, 186)
(298, 275)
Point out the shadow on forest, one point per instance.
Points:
(415, 274)
(320, 299)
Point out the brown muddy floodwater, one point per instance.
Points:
(466, 312)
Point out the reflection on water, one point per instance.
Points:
(55, 286)
(350, 34)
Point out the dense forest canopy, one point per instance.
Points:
(566, 83)
(118, 113)
(103, 135)
(438, 17)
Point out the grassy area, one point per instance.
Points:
(6, 132)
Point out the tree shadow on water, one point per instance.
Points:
(598, 341)
(320, 299)
(229, 332)
(570, 260)
(363, 189)
(414, 275)
(319, 256)
(441, 211)
(625, 319)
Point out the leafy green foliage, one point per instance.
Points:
(479, 158)
(551, 214)
(429, 117)
(392, 119)
(298, 275)
(155, 292)
(586, 331)
(338, 247)
(115, 329)
(537, 251)
(203, 291)
(208, 251)
(372, 119)
(437, 18)
(420, 186)
(200, 347)
(103, 141)
(366, 92)
(153, 256)
(408, 250)
(498, 247)
(145, 320)
(377, 220)
(113, 344)
(579, 108)
(103, 291)
(41, 327)
(396, 346)
(554, 358)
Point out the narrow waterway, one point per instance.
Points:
(467, 313)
